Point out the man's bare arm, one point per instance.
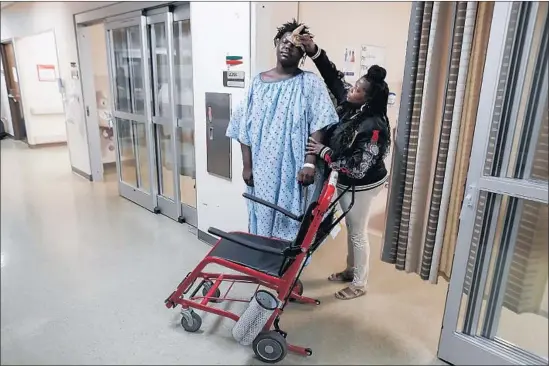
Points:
(247, 172)
(246, 156)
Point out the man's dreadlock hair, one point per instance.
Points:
(289, 27)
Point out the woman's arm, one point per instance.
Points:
(331, 75)
(356, 165)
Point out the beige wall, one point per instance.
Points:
(337, 25)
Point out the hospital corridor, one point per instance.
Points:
(85, 273)
(119, 181)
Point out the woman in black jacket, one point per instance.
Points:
(356, 148)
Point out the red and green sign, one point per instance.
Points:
(233, 60)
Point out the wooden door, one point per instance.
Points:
(14, 91)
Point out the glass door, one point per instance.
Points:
(497, 308)
(172, 111)
(130, 105)
(184, 111)
(161, 46)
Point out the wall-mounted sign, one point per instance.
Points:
(233, 60)
(46, 72)
(371, 55)
(234, 79)
(350, 57)
(74, 71)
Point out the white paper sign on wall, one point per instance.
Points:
(349, 61)
(371, 55)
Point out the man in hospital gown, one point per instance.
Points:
(284, 106)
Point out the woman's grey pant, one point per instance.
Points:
(358, 244)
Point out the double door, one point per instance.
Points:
(497, 308)
(150, 65)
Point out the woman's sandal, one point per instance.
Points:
(341, 277)
(350, 292)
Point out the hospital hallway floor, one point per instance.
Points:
(84, 276)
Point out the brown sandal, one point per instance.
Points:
(341, 277)
(350, 292)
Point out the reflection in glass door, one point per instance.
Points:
(184, 109)
(497, 308)
(130, 109)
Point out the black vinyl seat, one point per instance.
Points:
(267, 262)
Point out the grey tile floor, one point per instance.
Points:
(85, 272)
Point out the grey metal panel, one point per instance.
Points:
(129, 116)
(530, 190)
(218, 145)
(189, 215)
(182, 12)
(135, 195)
(207, 238)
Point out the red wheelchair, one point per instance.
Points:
(267, 262)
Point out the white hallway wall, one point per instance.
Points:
(42, 100)
(219, 202)
(31, 18)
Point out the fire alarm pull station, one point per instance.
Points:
(218, 145)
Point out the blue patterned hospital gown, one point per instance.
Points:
(275, 120)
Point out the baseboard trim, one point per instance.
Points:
(81, 173)
(206, 238)
(48, 144)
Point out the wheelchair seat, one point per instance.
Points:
(268, 263)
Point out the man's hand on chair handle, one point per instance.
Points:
(306, 176)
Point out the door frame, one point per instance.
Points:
(454, 346)
(3, 44)
(88, 95)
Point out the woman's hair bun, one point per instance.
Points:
(376, 74)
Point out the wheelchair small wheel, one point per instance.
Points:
(298, 289)
(206, 288)
(191, 321)
(270, 347)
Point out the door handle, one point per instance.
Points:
(211, 133)
(209, 114)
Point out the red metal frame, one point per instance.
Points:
(283, 285)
